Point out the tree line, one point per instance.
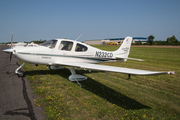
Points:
(169, 41)
(38, 41)
(35, 41)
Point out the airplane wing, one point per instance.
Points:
(114, 69)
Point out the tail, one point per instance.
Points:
(124, 49)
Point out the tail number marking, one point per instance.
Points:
(104, 54)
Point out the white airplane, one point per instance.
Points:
(64, 52)
(17, 44)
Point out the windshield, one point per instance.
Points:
(50, 43)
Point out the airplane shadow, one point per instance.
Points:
(97, 88)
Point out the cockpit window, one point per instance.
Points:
(80, 48)
(65, 45)
(50, 44)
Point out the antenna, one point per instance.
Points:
(78, 37)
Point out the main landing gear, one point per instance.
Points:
(20, 74)
(76, 77)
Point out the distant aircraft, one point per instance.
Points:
(57, 53)
(17, 44)
(32, 44)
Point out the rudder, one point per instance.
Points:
(124, 49)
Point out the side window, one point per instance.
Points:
(80, 48)
(65, 45)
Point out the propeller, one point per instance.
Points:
(10, 56)
(10, 50)
(11, 46)
(12, 39)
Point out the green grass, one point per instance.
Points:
(112, 96)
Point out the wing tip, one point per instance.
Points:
(171, 73)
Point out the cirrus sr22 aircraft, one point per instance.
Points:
(64, 52)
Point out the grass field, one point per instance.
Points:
(112, 96)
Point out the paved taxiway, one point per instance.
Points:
(16, 98)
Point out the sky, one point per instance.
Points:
(94, 19)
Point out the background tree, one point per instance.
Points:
(150, 39)
(172, 40)
(38, 41)
(138, 43)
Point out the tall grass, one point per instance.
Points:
(112, 96)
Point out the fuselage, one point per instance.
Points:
(62, 50)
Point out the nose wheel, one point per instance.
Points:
(20, 73)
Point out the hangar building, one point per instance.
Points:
(116, 40)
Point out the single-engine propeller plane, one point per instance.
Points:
(57, 53)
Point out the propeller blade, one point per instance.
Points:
(11, 56)
(11, 46)
(12, 40)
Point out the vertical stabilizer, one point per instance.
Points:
(124, 49)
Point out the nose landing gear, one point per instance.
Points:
(20, 74)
